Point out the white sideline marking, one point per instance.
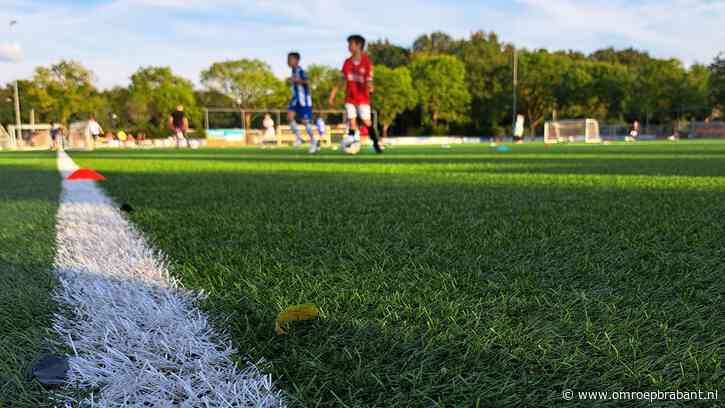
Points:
(138, 339)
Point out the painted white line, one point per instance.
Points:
(137, 337)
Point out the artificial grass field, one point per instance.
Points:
(451, 277)
(29, 189)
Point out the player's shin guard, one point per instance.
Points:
(296, 131)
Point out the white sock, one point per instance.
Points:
(311, 133)
(296, 130)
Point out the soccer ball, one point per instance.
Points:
(350, 145)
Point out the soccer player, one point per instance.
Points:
(357, 72)
(179, 124)
(633, 132)
(300, 107)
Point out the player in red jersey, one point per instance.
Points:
(357, 75)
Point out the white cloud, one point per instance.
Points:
(10, 53)
(116, 38)
(690, 30)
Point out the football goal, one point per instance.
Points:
(574, 130)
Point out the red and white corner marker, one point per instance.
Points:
(137, 337)
(86, 174)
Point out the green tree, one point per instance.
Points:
(657, 89)
(247, 81)
(322, 79)
(488, 77)
(213, 99)
(383, 52)
(609, 90)
(435, 43)
(28, 102)
(154, 93)
(540, 75)
(694, 95)
(629, 57)
(717, 81)
(63, 90)
(441, 84)
(7, 113)
(113, 111)
(572, 90)
(394, 93)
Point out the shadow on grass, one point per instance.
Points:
(699, 162)
(29, 192)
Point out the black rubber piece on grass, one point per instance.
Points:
(51, 370)
(127, 208)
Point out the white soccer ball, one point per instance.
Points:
(194, 144)
(350, 145)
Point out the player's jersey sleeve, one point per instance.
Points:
(346, 71)
(303, 75)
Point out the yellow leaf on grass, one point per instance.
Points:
(295, 313)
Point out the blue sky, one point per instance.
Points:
(116, 37)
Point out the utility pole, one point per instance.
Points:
(18, 123)
(516, 83)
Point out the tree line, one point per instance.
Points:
(438, 85)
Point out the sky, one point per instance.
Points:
(115, 37)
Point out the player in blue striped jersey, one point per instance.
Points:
(300, 107)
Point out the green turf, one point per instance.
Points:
(29, 189)
(451, 277)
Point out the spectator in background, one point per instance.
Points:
(54, 135)
(519, 129)
(140, 138)
(94, 128)
(122, 136)
(61, 137)
(270, 134)
(634, 132)
(179, 124)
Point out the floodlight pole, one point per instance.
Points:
(516, 83)
(18, 123)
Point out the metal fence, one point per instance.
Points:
(681, 129)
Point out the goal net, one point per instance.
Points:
(569, 131)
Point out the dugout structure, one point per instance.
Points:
(234, 127)
(572, 130)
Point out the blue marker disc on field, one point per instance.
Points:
(503, 149)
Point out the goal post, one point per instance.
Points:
(572, 130)
(7, 141)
